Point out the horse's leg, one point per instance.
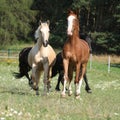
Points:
(60, 79)
(49, 78)
(46, 74)
(78, 81)
(58, 83)
(29, 79)
(70, 75)
(35, 78)
(87, 88)
(65, 64)
(83, 69)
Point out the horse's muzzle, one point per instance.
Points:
(45, 43)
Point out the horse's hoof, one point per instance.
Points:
(69, 93)
(31, 84)
(44, 94)
(37, 93)
(63, 95)
(57, 89)
(88, 90)
(77, 96)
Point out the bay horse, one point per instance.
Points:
(40, 58)
(58, 69)
(58, 66)
(75, 55)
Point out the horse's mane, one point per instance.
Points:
(37, 34)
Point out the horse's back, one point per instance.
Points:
(23, 55)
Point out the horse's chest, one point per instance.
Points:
(39, 57)
(71, 55)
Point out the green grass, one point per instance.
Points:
(19, 102)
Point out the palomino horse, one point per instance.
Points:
(75, 55)
(40, 58)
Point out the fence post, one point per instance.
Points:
(109, 64)
(8, 53)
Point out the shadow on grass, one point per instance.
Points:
(15, 91)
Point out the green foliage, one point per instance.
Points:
(16, 17)
(106, 42)
(19, 19)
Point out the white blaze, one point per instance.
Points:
(70, 24)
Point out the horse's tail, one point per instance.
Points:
(23, 70)
(18, 75)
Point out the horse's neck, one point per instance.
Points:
(39, 43)
(76, 33)
(74, 38)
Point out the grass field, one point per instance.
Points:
(19, 102)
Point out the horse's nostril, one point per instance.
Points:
(45, 43)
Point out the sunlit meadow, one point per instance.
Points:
(19, 102)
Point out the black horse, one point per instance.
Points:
(24, 67)
(87, 38)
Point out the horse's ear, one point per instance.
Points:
(74, 11)
(40, 22)
(77, 12)
(48, 22)
(70, 11)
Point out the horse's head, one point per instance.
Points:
(43, 33)
(72, 22)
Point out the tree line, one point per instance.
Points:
(99, 18)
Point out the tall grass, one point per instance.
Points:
(19, 102)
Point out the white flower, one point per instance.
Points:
(2, 118)
(15, 112)
(10, 114)
(116, 114)
(20, 113)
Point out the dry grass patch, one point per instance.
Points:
(104, 58)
